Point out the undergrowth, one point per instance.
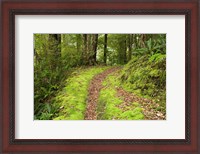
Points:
(146, 77)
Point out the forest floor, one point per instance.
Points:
(103, 98)
(94, 89)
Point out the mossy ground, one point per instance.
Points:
(144, 77)
(73, 98)
(109, 102)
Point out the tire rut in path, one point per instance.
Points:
(94, 89)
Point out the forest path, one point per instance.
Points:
(94, 89)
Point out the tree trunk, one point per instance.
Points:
(78, 39)
(89, 50)
(55, 48)
(125, 49)
(143, 40)
(85, 48)
(105, 47)
(78, 47)
(56, 44)
(95, 43)
(36, 56)
(130, 43)
(122, 43)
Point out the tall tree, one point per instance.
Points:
(85, 37)
(122, 48)
(89, 41)
(95, 43)
(78, 42)
(78, 47)
(125, 49)
(55, 48)
(130, 43)
(57, 43)
(105, 47)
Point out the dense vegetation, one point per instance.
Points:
(128, 73)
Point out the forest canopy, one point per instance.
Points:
(99, 76)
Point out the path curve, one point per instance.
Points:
(94, 89)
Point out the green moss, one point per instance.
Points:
(108, 103)
(135, 114)
(107, 109)
(73, 98)
(145, 76)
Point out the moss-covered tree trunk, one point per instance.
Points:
(130, 43)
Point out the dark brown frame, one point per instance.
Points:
(189, 8)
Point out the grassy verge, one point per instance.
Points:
(72, 99)
(109, 104)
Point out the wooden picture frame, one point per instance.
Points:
(189, 8)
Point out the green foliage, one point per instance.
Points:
(48, 74)
(45, 111)
(135, 114)
(146, 77)
(71, 50)
(150, 48)
(150, 44)
(61, 79)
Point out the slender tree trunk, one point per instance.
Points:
(78, 47)
(56, 44)
(36, 56)
(89, 50)
(89, 41)
(105, 47)
(55, 48)
(122, 53)
(130, 42)
(92, 42)
(143, 39)
(85, 48)
(136, 40)
(95, 43)
(78, 39)
(125, 49)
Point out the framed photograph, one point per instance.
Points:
(104, 76)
